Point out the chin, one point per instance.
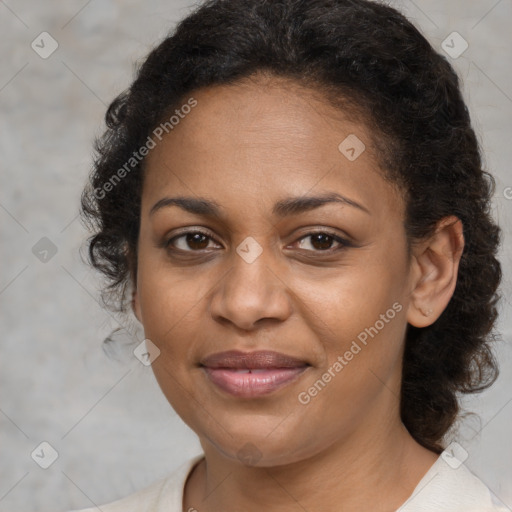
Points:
(255, 448)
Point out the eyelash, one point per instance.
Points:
(336, 238)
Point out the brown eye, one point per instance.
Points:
(190, 241)
(322, 241)
(196, 240)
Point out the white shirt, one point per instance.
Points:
(442, 489)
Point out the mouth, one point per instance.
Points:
(252, 374)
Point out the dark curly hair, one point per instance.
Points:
(370, 59)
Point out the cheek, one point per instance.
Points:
(171, 305)
(351, 299)
(362, 341)
(358, 314)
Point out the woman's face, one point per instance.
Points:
(264, 278)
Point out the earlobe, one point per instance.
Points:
(435, 267)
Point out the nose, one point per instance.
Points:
(251, 294)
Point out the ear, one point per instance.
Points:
(434, 269)
(136, 305)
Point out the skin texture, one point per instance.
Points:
(247, 146)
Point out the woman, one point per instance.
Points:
(291, 198)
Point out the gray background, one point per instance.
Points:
(106, 417)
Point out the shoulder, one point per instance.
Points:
(166, 492)
(449, 486)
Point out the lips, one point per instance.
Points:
(252, 374)
(262, 359)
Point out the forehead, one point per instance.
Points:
(265, 138)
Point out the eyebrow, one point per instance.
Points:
(282, 208)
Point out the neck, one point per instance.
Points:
(375, 472)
